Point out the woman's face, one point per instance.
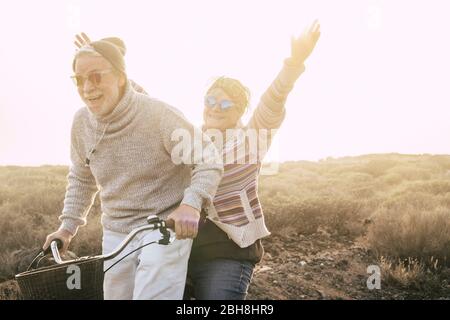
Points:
(214, 116)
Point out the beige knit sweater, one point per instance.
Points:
(131, 166)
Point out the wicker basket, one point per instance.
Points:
(51, 283)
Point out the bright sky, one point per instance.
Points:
(376, 82)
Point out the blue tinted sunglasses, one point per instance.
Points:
(211, 102)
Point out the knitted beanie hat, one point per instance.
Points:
(117, 42)
(108, 50)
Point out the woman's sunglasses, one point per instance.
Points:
(211, 102)
(94, 77)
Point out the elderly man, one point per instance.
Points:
(121, 146)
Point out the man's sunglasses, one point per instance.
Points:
(211, 102)
(94, 77)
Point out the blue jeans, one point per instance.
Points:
(220, 279)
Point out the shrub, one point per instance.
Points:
(433, 187)
(336, 215)
(411, 233)
(412, 274)
(378, 167)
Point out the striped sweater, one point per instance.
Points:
(236, 208)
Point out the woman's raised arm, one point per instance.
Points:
(270, 111)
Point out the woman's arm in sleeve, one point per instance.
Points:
(270, 111)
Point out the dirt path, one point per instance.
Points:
(320, 266)
(312, 267)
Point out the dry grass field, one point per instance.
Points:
(329, 220)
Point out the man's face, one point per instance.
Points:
(100, 87)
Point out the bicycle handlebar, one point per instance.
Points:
(154, 223)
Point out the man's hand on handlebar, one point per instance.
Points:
(64, 235)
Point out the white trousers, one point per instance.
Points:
(155, 272)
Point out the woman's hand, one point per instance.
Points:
(302, 46)
(81, 40)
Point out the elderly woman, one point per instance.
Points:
(228, 246)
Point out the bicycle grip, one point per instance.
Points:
(59, 243)
(170, 224)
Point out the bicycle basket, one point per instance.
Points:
(58, 282)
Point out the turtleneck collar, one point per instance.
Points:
(122, 108)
